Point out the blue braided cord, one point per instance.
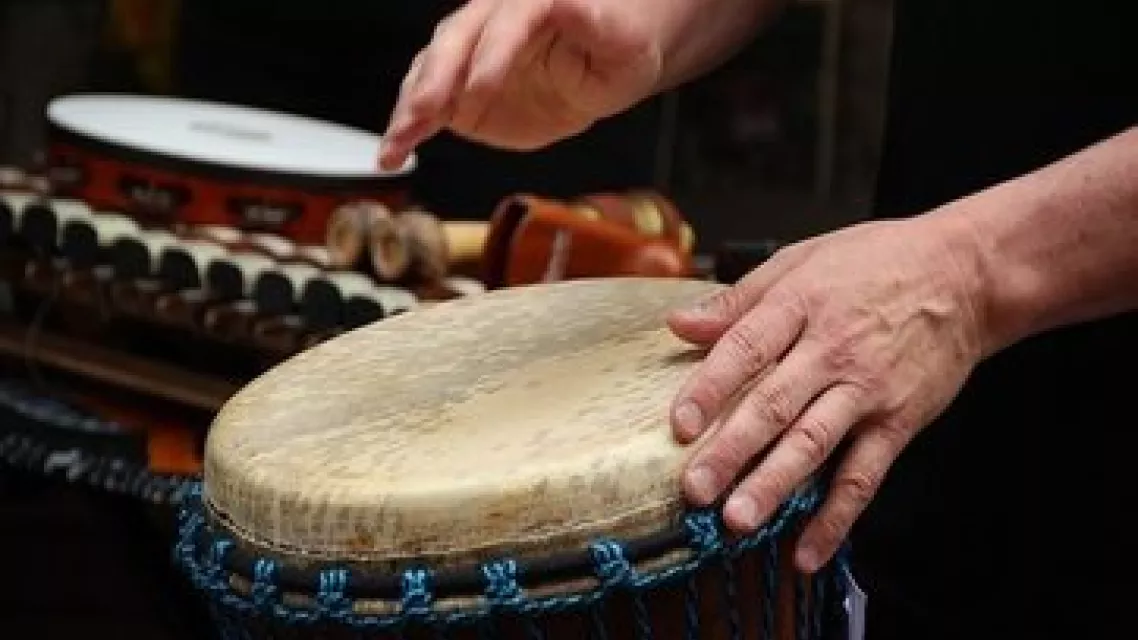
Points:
(704, 532)
(504, 592)
(691, 609)
(502, 588)
(731, 598)
(615, 571)
(332, 600)
(264, 591)
(610, 564)
(417, 596)
(208, 575)
(770, 587)
(218, 578)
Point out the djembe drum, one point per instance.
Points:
(498, 466)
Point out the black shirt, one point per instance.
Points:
(1005, 518)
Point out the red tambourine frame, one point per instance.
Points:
(169, 191)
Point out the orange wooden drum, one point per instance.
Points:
(499, 466)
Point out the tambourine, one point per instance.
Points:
(175, 160)
(533, 240)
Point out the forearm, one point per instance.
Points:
(1060, 245)
(699, 35)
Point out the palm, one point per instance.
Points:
(556, 90)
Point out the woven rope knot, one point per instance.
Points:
(610, 563)
(191, 523)
(193, 490)
(502, 586)
(703, 532)
(331, 598)
(264, 589)
(215, 576)
(417, 596)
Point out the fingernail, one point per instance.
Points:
(806, 558)
(705, 308)
(742, 511)
(702, 484)
(689, 420)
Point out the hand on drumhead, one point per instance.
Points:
(521, 74)
(863, 334)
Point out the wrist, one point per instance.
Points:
(994, 234)
(698, 35)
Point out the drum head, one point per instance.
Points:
(223, 135)
(524, 421)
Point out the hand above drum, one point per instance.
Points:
(523, 74)
(865, 333)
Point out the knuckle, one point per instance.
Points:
(857, 486)
(814, 439)
(773, 404)
(830, 528)
(744, 342)
(839, 355)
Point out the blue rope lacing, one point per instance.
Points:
(201, 551)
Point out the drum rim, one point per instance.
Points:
(175, 162)
(212, 559)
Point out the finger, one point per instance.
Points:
(799, 453)
(395, 144)
(855, 482)
(500, 48)
(754, 423)
(708, 319)
(421, 108)
(755, 342)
